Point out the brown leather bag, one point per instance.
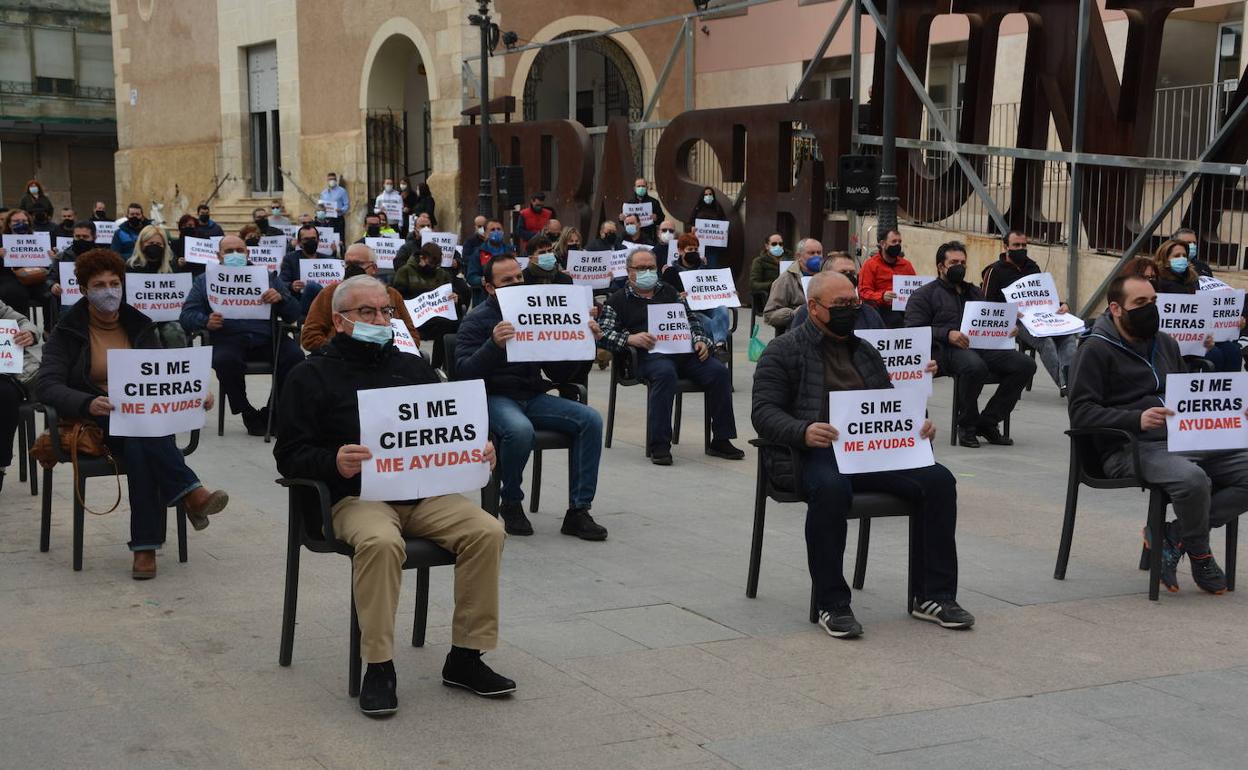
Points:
(78, 437)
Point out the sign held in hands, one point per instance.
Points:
(235, 292)
(26, 250)
(668, 323)
(432, 304)
(905, 285)
(879, 429)
(10, 351)
(158, 392)
(906, 353)
(710, 288)
(552, 322)
(159, 296)
(1208, 411)
(1188, 318)
(990, 325)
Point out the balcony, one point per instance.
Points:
(57, 88)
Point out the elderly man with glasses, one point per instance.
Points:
(318, 327)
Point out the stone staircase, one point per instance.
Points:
(233, 215)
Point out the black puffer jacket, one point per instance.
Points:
(324, 410)
(789, 392)
(65, 374)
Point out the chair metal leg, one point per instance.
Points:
(953, 421)
(706, 425)
(860, 560)
(290, 601)
(1232, 545)
(422, 607)
(221, 410)
(268, 427)
(31, 466)
(45, 513)
(680, 401)
(489, 494)
(22, 457)
(537, 481)
(610, 409)
(181, 517)
(814, 611)
(756, 541)
(1006, 431)
(79, 520)
(912, 553)
(353, 668)
(1156, 527)
(1068, 521)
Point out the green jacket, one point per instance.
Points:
(410, 283)
(765, 270)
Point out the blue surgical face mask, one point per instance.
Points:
(814, 264)
(371, 333)
(1191, 250)
(546, 261)
(640, 190)
(234, 259)
(1178, 265)
(21, 228)
(496, 236)
(647, 279)
(708, 199)
(630, 229)
(777, 250)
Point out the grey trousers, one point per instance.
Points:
(1055, 353)
(1207, 489)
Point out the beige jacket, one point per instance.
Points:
(786, 297)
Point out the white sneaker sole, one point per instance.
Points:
(489, 694)
(921, 615)
(840, 634)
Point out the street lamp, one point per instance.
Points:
(482, 20)
(886, 205)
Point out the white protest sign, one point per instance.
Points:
(989, 325)
(10, 351)
(785, 264)
(523, 261)
(26, 250)
(384, 250)
(446, 241)
(879, 429)
(552, 322)
(619, 263)
(432, 304)
(806, 279)
(327, 241)
(1228, 308)
(289, 231)
(276, 242)
(235, 292)
(158, 392)
(1208, 411)
(269, 256)
(711, 232)
(629, 246)
(426, 440)
(1033, 293)
(104, 232)
(668, 323)
(1044, 323)
(591, 268)
(1188, 318)
(709, 288)
(905, 285)
(643, 211)
(1209, 283)
(159, 296)
(331, 208)
(70, 293)
(63, 243)
(906, 353)
(403, 338)
(326, 272)
(200, 251)
(392, 207)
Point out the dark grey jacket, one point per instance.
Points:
(1111, 384)
(939, 305)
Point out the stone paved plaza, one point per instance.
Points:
(640, 652)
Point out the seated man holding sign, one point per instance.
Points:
(1118, 380)
(320, 437)
(941, 305)
(318, 327)
(791, 406)
(488, 349)
(234, 304)
(663, 357)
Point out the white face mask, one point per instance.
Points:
(332, 183)
(665, 236)
(402, 186)
(389, 188)
(33, 190)
(481, 231)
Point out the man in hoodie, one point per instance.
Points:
(304, 293)
(519, 404)
(318, 437)
(875, 282)
(1118, 380)
(940, 305)
(790, 407)
(128, 231)
(204, 226)
(1056, 353)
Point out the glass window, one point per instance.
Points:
(14, 54)
(95, 60)
(54, 53)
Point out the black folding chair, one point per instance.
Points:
(542, 439)
(625, 373)
(993, 379)
(866, 506)
(257, 368)
(1086, 469)
(310, 525)
(26, 440)
(758, 300)
(90, 467)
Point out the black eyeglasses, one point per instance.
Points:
(841, 303)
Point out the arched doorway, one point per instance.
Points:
(398, 118)
(607, 84)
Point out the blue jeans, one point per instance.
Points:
(513, 422)
(307, 296)
(716, 321)
(661, 373)
(157, 477)
(1225, 356)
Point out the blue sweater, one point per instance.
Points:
(196, 310)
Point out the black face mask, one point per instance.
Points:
(893, 251)
(353, 270)
(154, 252)
(308, 245)
(424, 269)
(134, 222)
(68, 224)
(81, 247)
(100, 216)
(263, 223)
(254, 241)
(841, 320)
(955, 274)
(187, 232)
(373, 231)
(204, 219)
(1143, 321)
(853, 278)
(41, 217)
(691, 259)
(1017, 256)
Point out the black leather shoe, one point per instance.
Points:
(579, 523)
(661, 455)
(464, 668)
(379, 693)
(966, 438)
(994, 436)
(514, 520)
(724, 448)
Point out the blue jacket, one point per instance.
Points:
(477, 357)
(474, 271)
(124, 239)
(338, 197)
(196, 310)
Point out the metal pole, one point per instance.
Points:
(855, 75)
(572, 81)
(667, 70)
(689, 65)
(482, 20)
(822, 49)
(886, 203)
(1076, 146)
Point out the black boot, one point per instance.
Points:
(579, 523)
(464, 668)
(378, 694)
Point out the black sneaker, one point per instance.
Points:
(661, 455)
(579, 523)
(1171, 555)
(514, 520)
(993, 435)
(840, 622)
(966, 438)
(378, 694)
(946, 613)
(464, 668)
(722, 447)
(1207, 574)
(255, 422)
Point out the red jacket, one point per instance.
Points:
(532, 223)
(876, 277)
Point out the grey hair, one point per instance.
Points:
(800, 247)
(344, 290)
(1182, 231)
(628, 261)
